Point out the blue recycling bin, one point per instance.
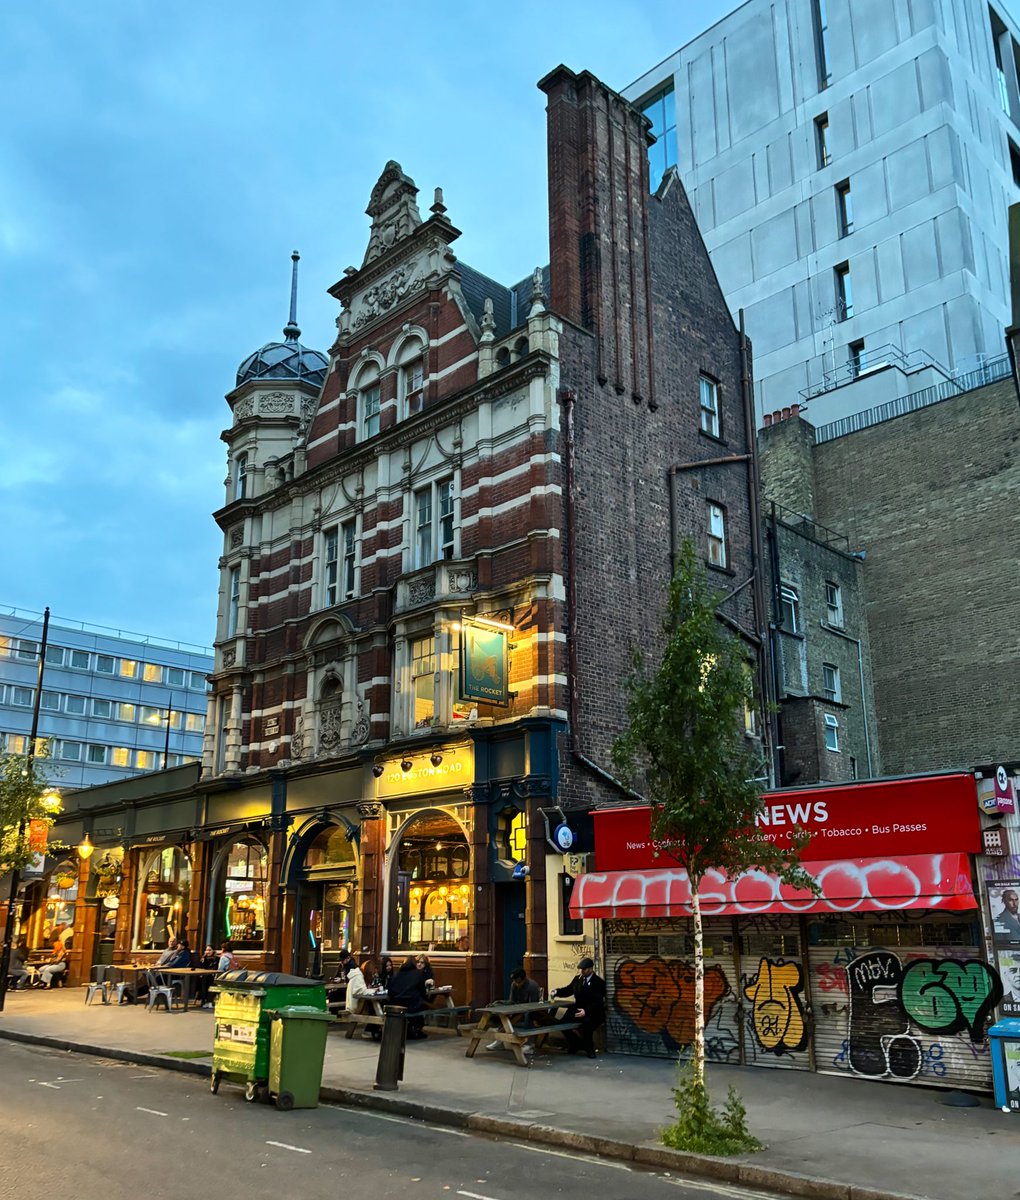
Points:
(1004, 1040)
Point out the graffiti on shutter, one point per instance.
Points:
(650, 982)
(773, 992)
(905, 998)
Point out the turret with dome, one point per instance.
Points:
(287, 359)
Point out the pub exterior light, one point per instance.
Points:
(85, 848)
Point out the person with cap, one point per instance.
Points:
(588, 992)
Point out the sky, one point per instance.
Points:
(158, 164)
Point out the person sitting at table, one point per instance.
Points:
(426, 969)
(17, 971)
(385, 971)
(589, 1003)
(168, 955)
(359, 988)
(522, 991)
(208, 962)
(54, 966)
(227, 961)
(407, 988)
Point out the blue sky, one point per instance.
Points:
(158, 163)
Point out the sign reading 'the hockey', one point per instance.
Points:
(931, 814)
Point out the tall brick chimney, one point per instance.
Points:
(598, 224)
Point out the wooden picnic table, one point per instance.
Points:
(368, 1011)
(496, 1023)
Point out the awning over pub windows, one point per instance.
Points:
(918, 881)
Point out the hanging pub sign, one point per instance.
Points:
(38, 834)
(483, 662)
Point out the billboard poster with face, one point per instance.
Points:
(1009, 973)
(1004, 900)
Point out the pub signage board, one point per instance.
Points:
(926, 815)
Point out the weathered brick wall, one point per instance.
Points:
(633, 270)
(932, 498)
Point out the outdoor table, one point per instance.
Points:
(368, 1010)
(496, 1024)
(133, 973)
(190, 976)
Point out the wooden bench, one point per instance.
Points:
(445, 1018)
(514, 1037)
(539, 1032)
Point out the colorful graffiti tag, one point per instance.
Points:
(938, 995)
(657, 996)
(777, 1012)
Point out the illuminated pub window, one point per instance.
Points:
(330, 874)
(423, 667)
(61, 894)
(164, 891)
(430, 898)
(241, 895)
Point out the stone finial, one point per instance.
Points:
(438, 207)
(537, 294)
(488, 321)
(393, 209)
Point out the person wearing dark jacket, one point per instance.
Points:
(589, 1003)
(407, 988)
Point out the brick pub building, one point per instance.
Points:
(442, 542)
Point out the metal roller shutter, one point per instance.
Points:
(773, 989)
(650, 984)
(895, 996)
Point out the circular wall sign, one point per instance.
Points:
(564, 836)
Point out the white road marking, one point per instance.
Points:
(55, 1086)
(588, 1158)
(475, 1195)
(285, 1146)
(718, 1189)
(153, 1111)
(60, 1081)
(152, 1076)
(416, 1124)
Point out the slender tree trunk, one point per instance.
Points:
(699, 986)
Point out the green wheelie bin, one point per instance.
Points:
(297, 1046)
(245, 1003)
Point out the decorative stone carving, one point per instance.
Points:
(463, 581)
(276, 402)
(359, 734)
(229, 657)
(381, 297)
(330, 727)
(244, 408)
(422, 589)
(236, 537)
(370, 810)
(297, 739)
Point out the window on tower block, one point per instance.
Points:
(716, 534)
(821, 21)
(844, 208)
(660, 109)
(709, 397)
(844, 292)
(822, 140)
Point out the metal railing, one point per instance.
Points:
(870, 360)
(991, 372)
(809, 527)
(35, 618)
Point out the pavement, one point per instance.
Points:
(836, 1138)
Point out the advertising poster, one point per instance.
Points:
(1009, 973)
(483, 663)
(1011, 1051)
(1004, 900)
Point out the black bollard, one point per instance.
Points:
(390, 1068)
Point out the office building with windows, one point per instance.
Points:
(113, 704)
(850, 164)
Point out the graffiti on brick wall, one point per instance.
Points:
(656, 997)
(777, 1010)
(890, 1001)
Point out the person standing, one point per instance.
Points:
(589, 1003)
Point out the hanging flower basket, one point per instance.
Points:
(64, 876)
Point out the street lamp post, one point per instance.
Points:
(5, 954)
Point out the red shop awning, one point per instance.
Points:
(939, 881)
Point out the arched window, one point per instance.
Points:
(369, 401)
(430, 897)
(521, 347)
(411, 377)
(240, 896)
(331, 723)
(502, 357)
(164, 892)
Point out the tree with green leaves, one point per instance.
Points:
(686, 749)
(26, 795)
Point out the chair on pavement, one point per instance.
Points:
(160, 989)
(97, 986)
